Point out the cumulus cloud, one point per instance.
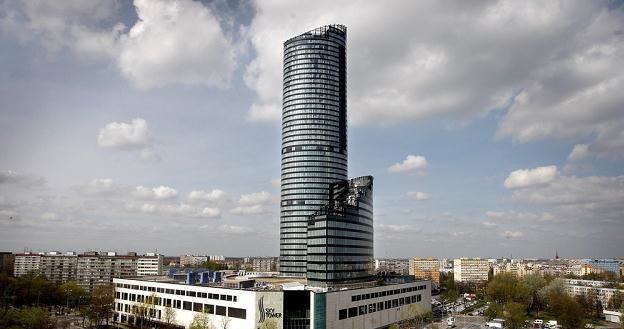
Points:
(16, 178)
(579, 152)
(411, 163)
(512, 234)
(565, 61)
(180, 210)
(99, 186)
(162, 47)
(212, 196)
(234, 229)
(176, 42)
(419, 196)
(518, 217)
(155, 193)
(133, 136)
(593, 198)
(253, 204)
(489, 225)
(528, 177)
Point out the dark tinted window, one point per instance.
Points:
(234, 312)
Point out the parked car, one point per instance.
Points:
(450, 322)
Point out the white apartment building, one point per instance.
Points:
(470, 270)
(26, 263)
(576, 287)
(283, 304)
(150, 265)
(192, 260)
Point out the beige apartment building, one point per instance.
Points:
(470, 270)
(425, 268)
(26, 263)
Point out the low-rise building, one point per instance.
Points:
(273, 303)
(598, 289)
(192, 260)
(392, 265)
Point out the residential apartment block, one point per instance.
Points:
(470, 270)
(425, 268)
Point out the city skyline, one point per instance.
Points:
(508, 141)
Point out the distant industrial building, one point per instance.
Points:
(470, 270)
(425, 268)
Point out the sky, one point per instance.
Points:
(492, 128)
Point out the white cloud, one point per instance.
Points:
(49, 216)
(528, 177)
(255, 198)
(212, 196)
(155, 193)
(66, 24)
(234, 229)
(419, 196)
(411, 163)
(566, 59)
(132, 136)
(163, 46)
(488, 224)
(579, 152)
(16, 178)
(176, 42)
(512, 234)
(519, 217)
(254, 204)
(99, 186)
(180, 210)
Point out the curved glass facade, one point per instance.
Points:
(314, 135)
(340, 235)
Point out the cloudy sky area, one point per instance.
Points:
(492, 128)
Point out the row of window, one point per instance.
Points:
(189, 293)
(385, 293)
(376, 307)
(232, 312)
(301, 44)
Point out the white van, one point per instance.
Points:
(551, 324)
(538, 321)
(450, 321)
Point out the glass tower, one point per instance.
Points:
(340, 235)
(314, 135)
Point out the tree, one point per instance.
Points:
(615, 302)
(494, 311)
(505, 288)
(169, 316)
(101, 306)
(622, 317)
(71, 292)
(225, 322)
(515, 315)
(269, 324)
(534, 283)
(35, 318)
(201, 321)
(413, 316)
(569, 312)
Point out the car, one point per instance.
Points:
(538, 321)
(589, 326)
(450, 322)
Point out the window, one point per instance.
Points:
(352, 312)
(380, 306)
(229, 298)
(187, 306)
(209, 308)
(198, 307)
(223, 297)
(239, 313)
(221, 310)
(168, 302)
(191, 294)
(234, 298)
(372, 308)
(342, 314)
(363, 309)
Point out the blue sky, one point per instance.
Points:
(492, 128)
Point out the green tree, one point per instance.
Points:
(101, 304)
(72, 293)
(414, 316)
(622, 317)
(515, 315)
(568, 311)
(493, 311)
(505, 288)
(534, 283)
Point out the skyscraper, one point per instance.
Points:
(314, 135)
(340, 235)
